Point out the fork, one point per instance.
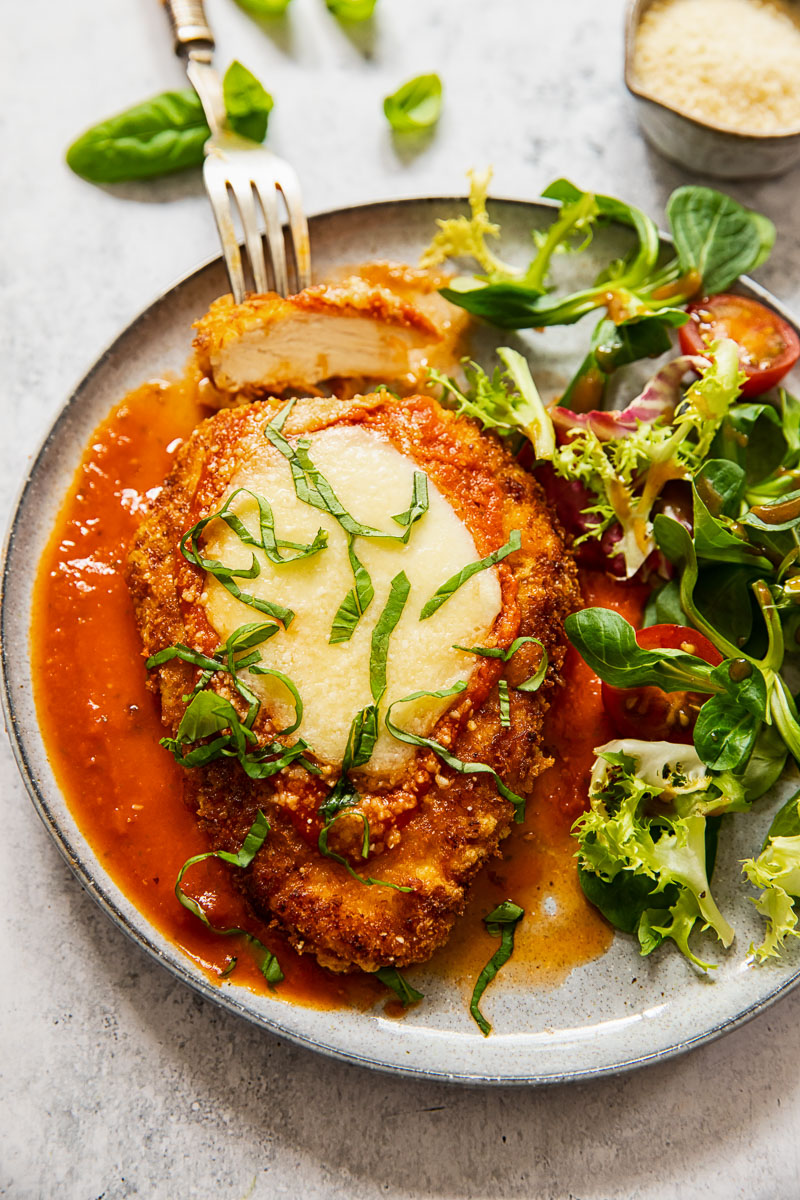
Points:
(237, 172)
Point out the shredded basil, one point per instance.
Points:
(313, 488)
(208, 713)
(225, 575)
(419, 501)
(269, 541)
(505, 703)
(456, 764)
(270, 967)
(502, 923)
(454, 583)
(530, 685)
(384, 627)
(355, 603)
(391, 978)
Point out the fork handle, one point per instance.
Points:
(189, 25)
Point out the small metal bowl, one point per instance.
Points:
(700, 145)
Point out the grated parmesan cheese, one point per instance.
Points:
(732, 63)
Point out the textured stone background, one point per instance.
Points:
(117, 1081)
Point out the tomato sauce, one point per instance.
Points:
(102, 728)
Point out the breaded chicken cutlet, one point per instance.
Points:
(429, 828)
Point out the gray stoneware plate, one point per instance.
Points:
(613, 1014)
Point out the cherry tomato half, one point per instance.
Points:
(649, 713)
(768, 346)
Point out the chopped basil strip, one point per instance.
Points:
(393, 609)
(505, 703)
(360, 743)
(391, 978)
(530, 685)
(456, 764)
(225, 575)
(270, 967)
(355, 603)
(311, 486)
(208, 713)
(269, 542)
(454, 583)
(419, 501)
(502, 923)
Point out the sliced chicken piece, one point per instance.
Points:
(269, 344)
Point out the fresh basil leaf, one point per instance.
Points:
(725, 733)
(502, 923)
(607, 642)
(717, 237)
(391, 978)
(190, 550)
(264, 8)
(355, 603)
(367, 880)
(247, 104)
(455, 764)
(268, 963)
(454, 583)
(384, 627)
(161, 135)
(352, 10)
(415, 105)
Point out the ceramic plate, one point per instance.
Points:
(613, 1014)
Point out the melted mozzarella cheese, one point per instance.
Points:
(373, 481)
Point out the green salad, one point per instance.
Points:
(691, 488)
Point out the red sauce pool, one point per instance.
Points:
(101, 727)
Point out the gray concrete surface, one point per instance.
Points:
(116, 1081)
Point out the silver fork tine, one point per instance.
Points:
(243, 191)
(268, 198)
(287, 182)
(215, 177)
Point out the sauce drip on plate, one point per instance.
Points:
(102, 727)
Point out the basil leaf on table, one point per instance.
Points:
(159, 136)
(247, 103)
(716, 236)
(167, 133)
(352, 10)
(415, 105)
(264, 8)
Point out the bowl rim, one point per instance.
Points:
(635, 10)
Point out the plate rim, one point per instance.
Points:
(180, 968)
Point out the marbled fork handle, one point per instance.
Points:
(189, 25)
